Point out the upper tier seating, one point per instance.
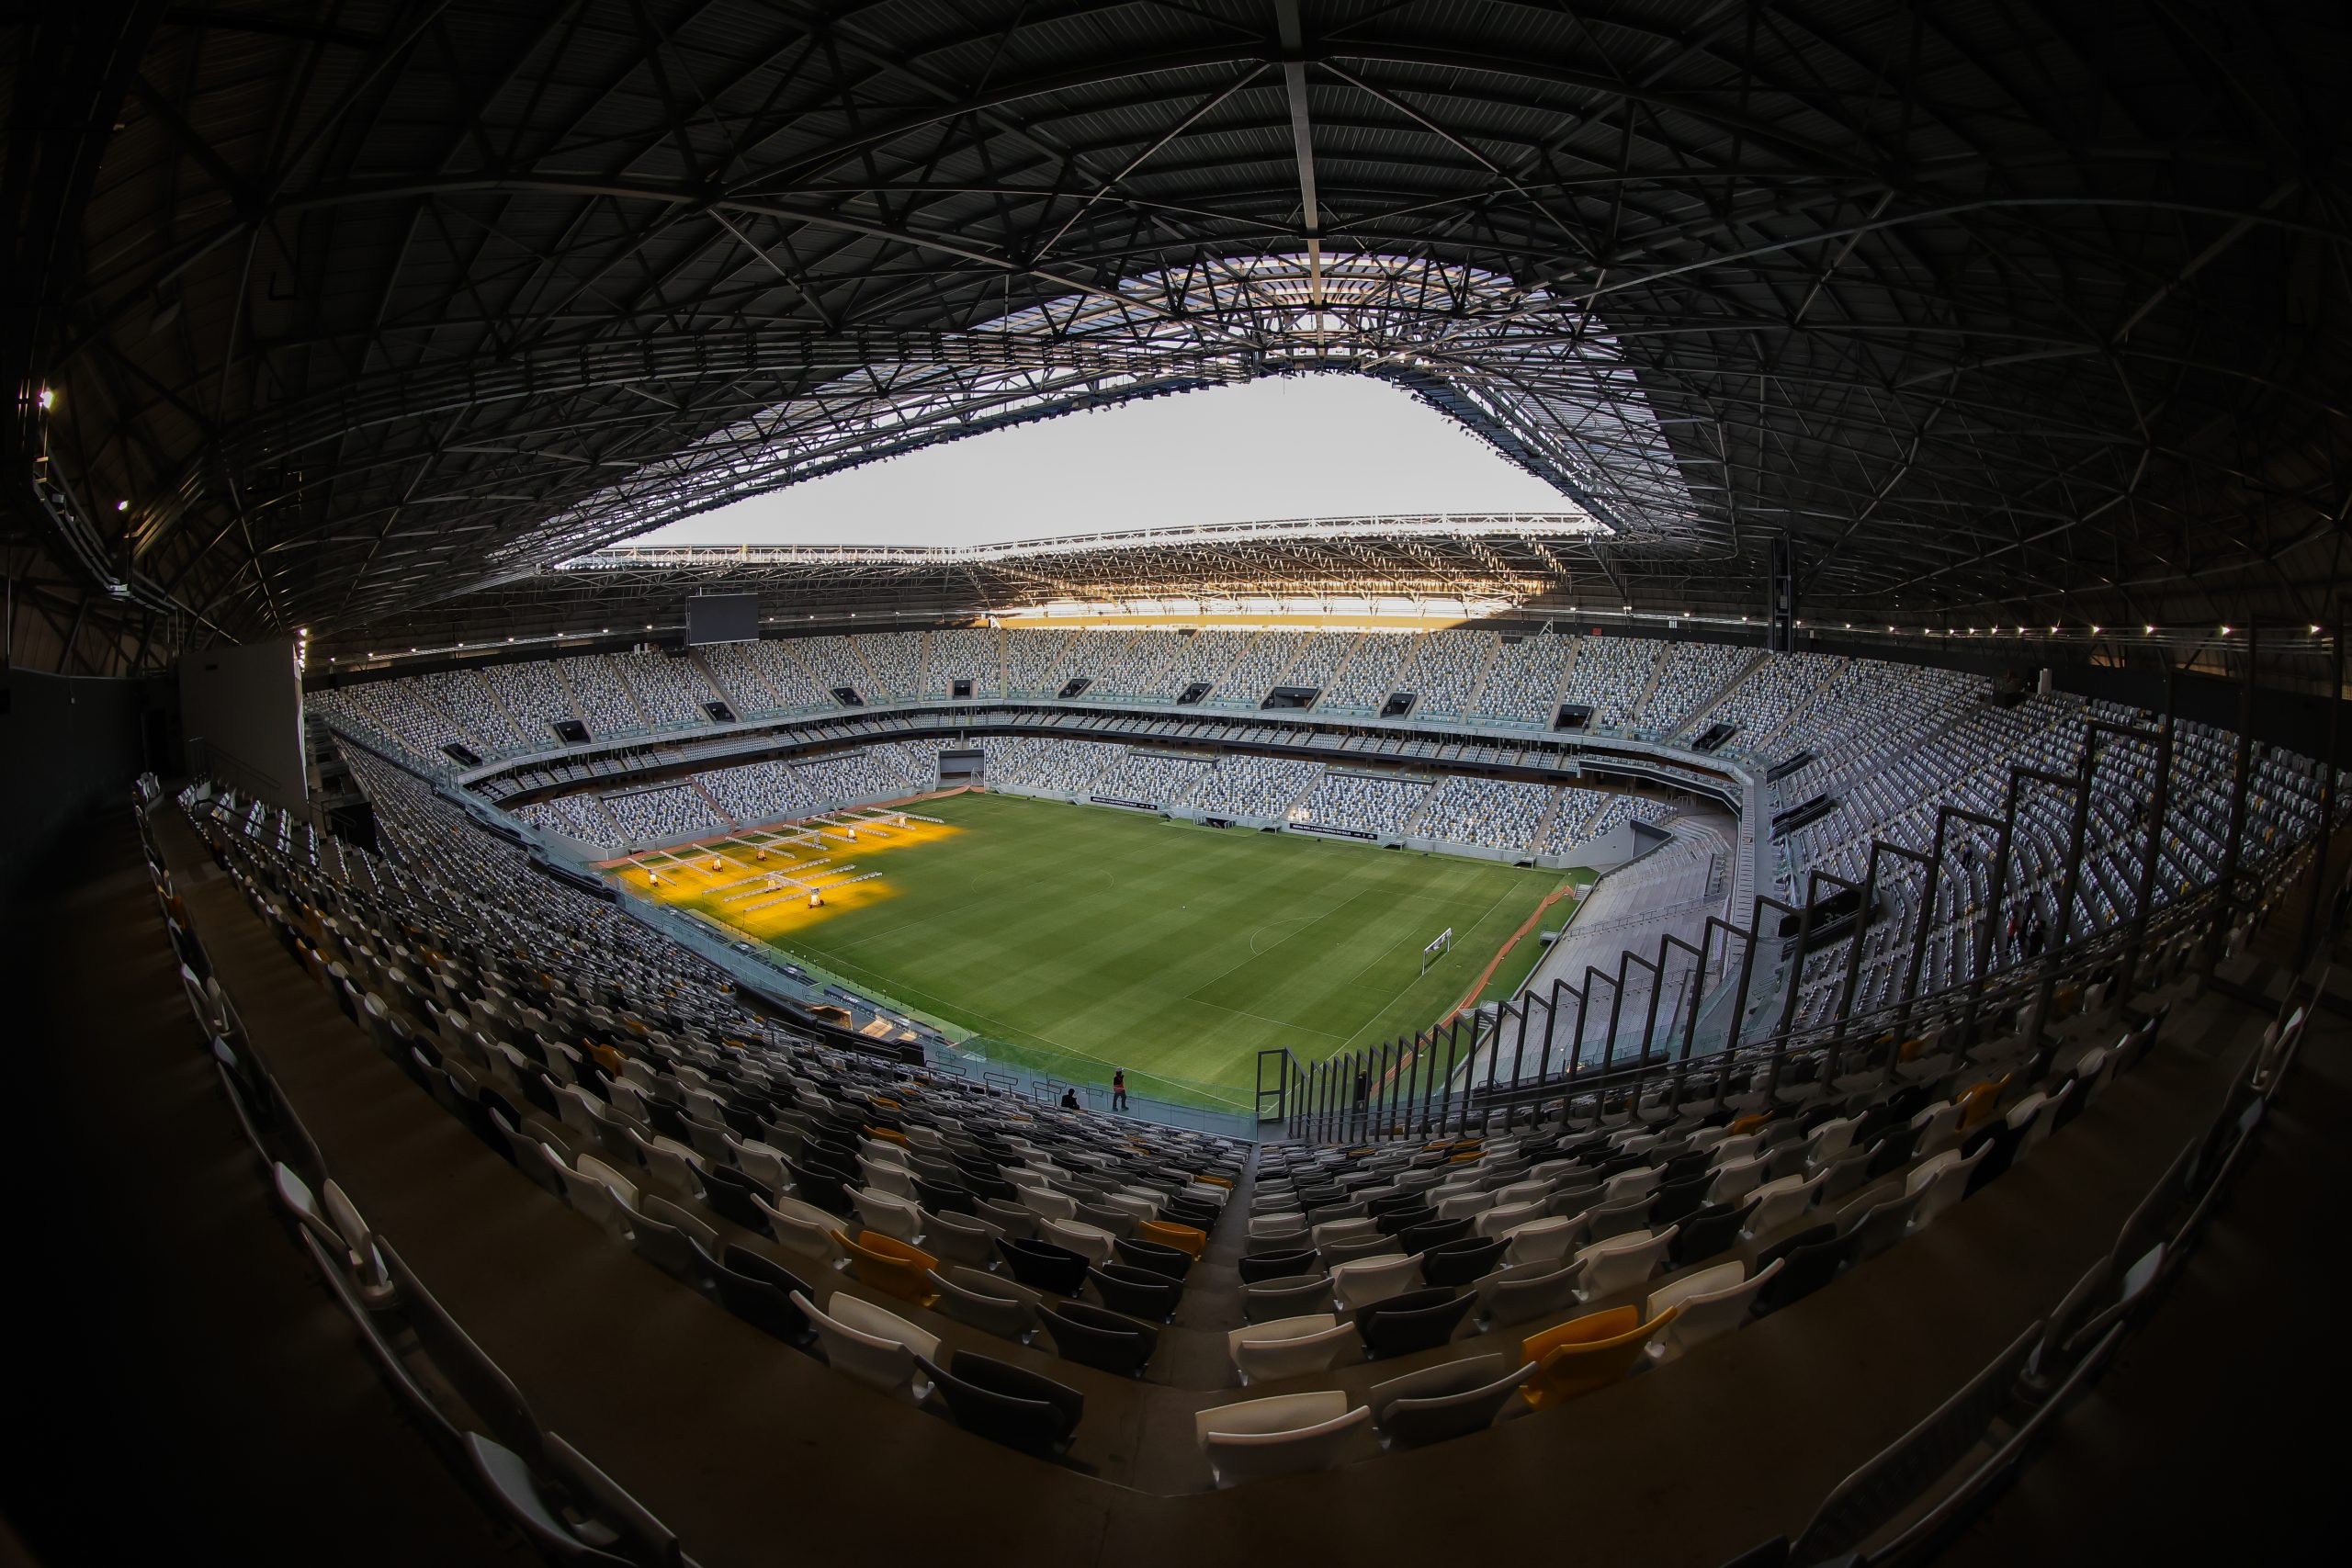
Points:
(1610, 676)
(763, 678)
(606, 707)
(1123, 663)
(466, 696)
(1445, 672)
(537, 695)
(838, 662)
(1524, 680)
(1781, 686)
(897, 660)
(1375, 668)
(1033, 661)
(965, 653)
(1689, 680)
(498, 711)
(671, 691)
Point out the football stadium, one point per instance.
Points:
(1113, 783)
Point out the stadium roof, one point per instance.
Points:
(351, 312)
(1329, 531)
(1427, 570)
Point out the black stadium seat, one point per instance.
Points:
(759, 1291)
(1007, 1403)
(1275, 1264)
(1462, 1260)
(1417, 1320)
(1138, 1293)
(1106, 1340)
(1043, 1266)
(1157, 1258)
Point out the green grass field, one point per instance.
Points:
(1169, 949)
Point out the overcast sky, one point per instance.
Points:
(1292, 446)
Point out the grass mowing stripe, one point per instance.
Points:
(1175, 950)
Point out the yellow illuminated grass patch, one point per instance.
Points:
(761, 881)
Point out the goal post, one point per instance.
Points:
(1440, 945)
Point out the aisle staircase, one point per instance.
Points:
(1552, 806)
(1650, 687)
(1697, 721)
(1477, 693)
(735, 704)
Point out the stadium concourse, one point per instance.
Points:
(1710, 933)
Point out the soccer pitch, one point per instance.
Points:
(1166, 948)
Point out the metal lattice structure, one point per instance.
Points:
(352, 311)
(1447, 566)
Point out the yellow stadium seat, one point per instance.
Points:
(1215, 1181)
(890, 1265)
(1190, 1240)
(1748, 1123)
(1978, 1102)
(1585, 1353)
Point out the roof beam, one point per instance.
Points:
(1302, 141)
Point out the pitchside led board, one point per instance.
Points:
(722, 617)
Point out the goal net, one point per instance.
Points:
(1441, 945)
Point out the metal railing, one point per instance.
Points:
(1449, 1081)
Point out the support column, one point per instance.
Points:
(2240, 775)
(2318, 901)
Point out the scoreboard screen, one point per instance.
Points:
(722, 617)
